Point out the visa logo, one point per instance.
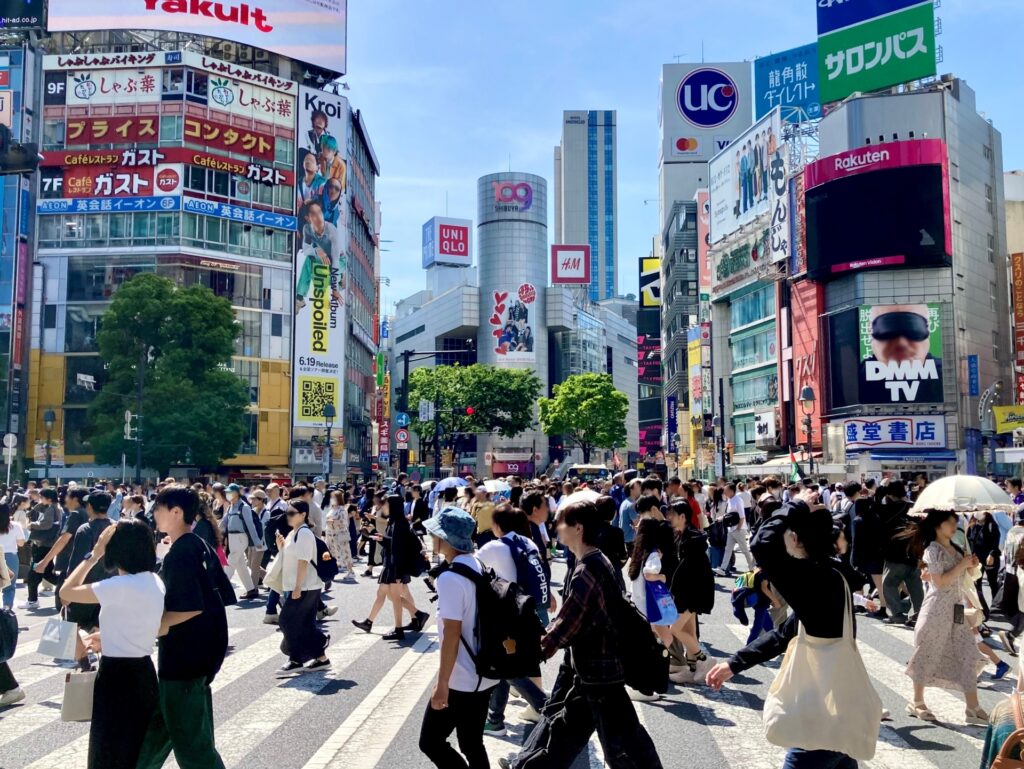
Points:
(721, 143)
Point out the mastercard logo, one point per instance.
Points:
(686, 145)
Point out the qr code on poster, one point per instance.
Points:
(313, 394)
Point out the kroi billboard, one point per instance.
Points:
(312, 31)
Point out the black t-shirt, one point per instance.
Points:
(72, 522)
(196, 647)
(86, 537)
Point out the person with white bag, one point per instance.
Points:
(821, 706)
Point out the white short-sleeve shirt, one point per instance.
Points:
(131, 607)
(498, 556)
(300, 545)
(456, 600)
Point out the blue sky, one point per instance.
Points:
(455, 89)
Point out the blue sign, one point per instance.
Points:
(671, 412)
(100, 205)
(707, 97)
(836, 14)
(240, 214)
(401, 419)
(788, 79)
(384, 458)
(973, 376)
(384, 329)
(172, 57)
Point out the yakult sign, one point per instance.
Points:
(312, 31)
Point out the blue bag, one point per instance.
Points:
(661, 608)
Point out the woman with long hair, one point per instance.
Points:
(303, 640)
(207, 527)
(400, 546)
(692, 584)
(337, 516)
(12, 536)
(219, 503)
(652, 547)
(945, 654)
(131, 604)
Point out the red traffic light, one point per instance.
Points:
(470, 411)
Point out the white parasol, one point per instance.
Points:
(963, 493)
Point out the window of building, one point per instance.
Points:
(197, 84)
(410, 334)
(76, 428)
(276, 324)
(751, 392)
(50, 316)
(249, 372)
(754, 350)
(753, 307)
(991, 248)
(86, 375)
(986, 151)
(284, 151)
(81, 325)
(171, 130)
(992, 294)
(174, 84)
(53, 134)
(251, 435)
(988, 197)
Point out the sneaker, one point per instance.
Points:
(46, 591)
(636, 696)
(1007, 642)
(529, 714)
(12, 697)
(366, 625)
(395, 635)
(1001, 670)
(252, 595)
(976, 717)
(326, 612)
(29, 605)
(911, 622)
(317, 664)
(288, 668)
(701, 672)
(420, 619)
(494, 729)
(896, 619)
(685, 676)
(270, 619)
(368, 573)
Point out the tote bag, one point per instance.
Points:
(1012, 747)
(78, 689)
(822, 698)
(58, 639)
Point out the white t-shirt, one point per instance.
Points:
(497, 555)
(300, 545)
(131, 607)
(652, 566)
(748, 499)
(735, 505)
(9, 541)
(456, 600)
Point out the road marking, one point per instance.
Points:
(352, 746)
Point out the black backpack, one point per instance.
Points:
(326, 564)
(507, 627)
(644, 658)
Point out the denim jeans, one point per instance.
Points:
(895, 574)
(797, 758)
(499, 697)
(762, 623)
(11, 559)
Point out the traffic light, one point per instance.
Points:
(17, 158)
(470, 411)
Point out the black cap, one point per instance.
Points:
(99, 501)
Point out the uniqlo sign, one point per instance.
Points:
(570, 265)
(447, 241)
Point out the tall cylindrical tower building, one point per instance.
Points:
(512, 258)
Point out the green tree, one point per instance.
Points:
(502, 400)
(587, 410)
(193, 404)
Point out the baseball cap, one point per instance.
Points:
(233, 487)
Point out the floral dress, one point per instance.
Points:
(945, 653)
(338, 536)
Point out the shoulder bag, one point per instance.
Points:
(822, 697)
(1009, 756)
(58, 639)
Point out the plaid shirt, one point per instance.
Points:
(584, 624)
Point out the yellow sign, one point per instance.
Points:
(1008, 418)
(387, 395)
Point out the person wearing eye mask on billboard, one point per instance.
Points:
(901, 354)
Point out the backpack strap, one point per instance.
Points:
(477, 578)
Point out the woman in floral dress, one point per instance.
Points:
(945, 654)
(338, 535)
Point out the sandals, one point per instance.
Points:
(920, 710)
(976, 717)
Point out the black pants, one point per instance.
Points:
(33, 579)
(574, 711)
(125, 697)
(303, 640)
(7, 679)
(465, 715)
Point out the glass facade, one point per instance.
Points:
(753, 307)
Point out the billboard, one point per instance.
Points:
(570, 265)
(693, 370)
(321, 256)
(113, 86)
(1017, 298)
(703, 106)
(703, 241)
(738, 177)
(1008, 418)
(312, 31)
(648, 356)
(511, 325)
(21, 14)
(650, 282)
(788, 80)
(837, 14)
(895, 432)
(735, 267)
(869, 53)
(448, 241)
(672, 422)
(899, 193)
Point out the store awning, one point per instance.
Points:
(924, 456)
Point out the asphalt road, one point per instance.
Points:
(365, 712)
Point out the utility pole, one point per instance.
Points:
(437, 439)
(403, 406)
(141, 381)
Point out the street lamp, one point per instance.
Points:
(807, 404)
(329, 414)
(49, 420)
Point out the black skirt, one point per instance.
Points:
(125, 697)
(390, 575)
(303, 639)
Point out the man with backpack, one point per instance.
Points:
(515, 558)
(461, 695)
(590, 692)
(242, 530)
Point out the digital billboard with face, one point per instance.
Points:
(884, 205)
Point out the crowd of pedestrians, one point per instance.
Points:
(132, 569)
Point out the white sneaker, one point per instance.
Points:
(330, 611)
(703, 666)
(270, 619)
(12, 696)
(29, 605)
(636, 696)
(529, 714)
(684, 676)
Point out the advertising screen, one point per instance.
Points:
(739, 177)
(897, 195)
(21, 14)
(321, 256)
(311, 31)
(650, 282)
(511, 326)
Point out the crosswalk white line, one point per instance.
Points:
(353, 747)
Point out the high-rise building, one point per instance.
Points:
(586, 190)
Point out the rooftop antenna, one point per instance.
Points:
(446, 202)
(678, 56)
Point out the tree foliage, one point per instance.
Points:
(193, 404)
(502, 399)
(588, 411)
